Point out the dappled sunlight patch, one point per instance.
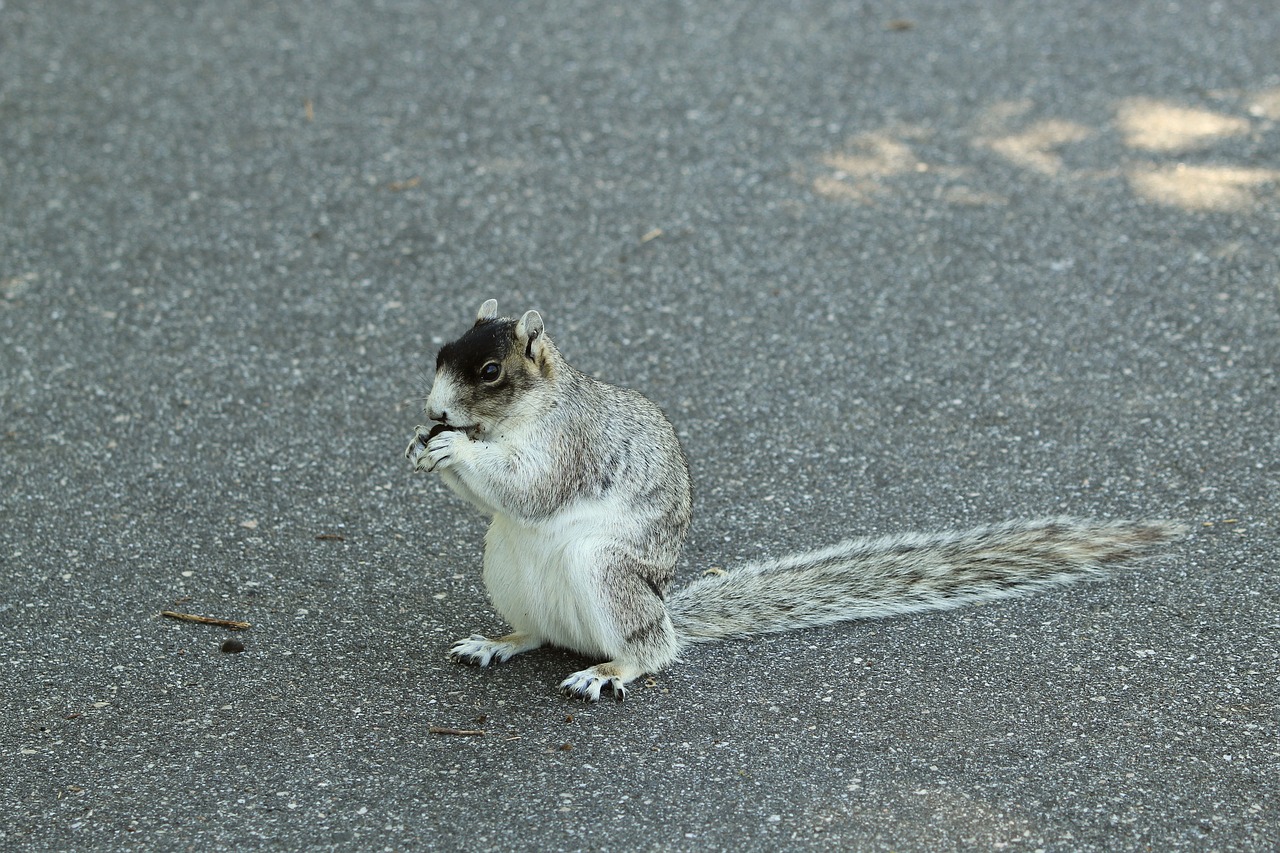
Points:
(1143, 151)
(1036, 147)
(835, 187)
(1208, 188)
(858, 172)
(1266, 104)
(996, 118)
(965, 196)
(873, 155)
(1152, 125)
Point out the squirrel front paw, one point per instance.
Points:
(432, 447)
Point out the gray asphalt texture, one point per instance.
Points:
(887, 267)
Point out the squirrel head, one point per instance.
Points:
(486, 375)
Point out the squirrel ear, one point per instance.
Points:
(488, 311)
(529, 332)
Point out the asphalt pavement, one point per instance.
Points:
(887, 267)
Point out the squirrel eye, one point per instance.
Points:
(490, 371)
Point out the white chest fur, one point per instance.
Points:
(544, 578)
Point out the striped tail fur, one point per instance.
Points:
(912, 573)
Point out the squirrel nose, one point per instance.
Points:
(438, 415)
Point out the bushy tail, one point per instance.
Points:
(866, 578)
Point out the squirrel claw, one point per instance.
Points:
(481, 651)
(477, 649)
(588, 684)
(416, 452)
(432, 447)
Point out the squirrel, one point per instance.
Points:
(588, 493)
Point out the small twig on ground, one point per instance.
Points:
(206, 620)
(441, 730)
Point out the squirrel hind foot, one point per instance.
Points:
(589, 683)
(481, 651)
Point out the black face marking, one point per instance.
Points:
(481, 396)
(484, 342)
